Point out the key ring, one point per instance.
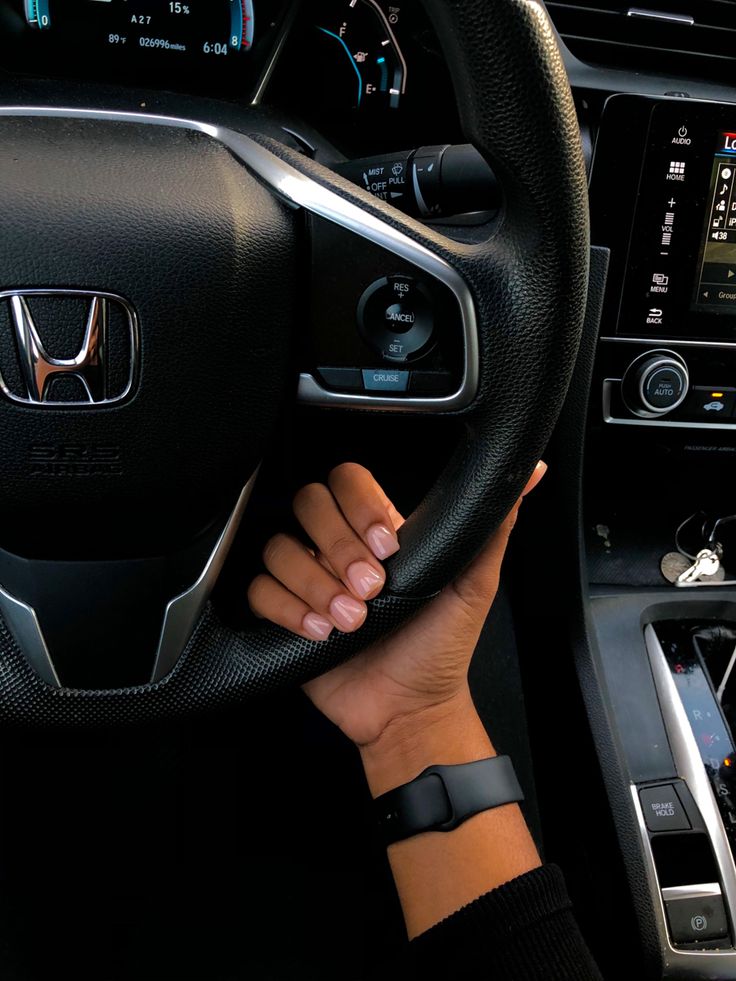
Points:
(707, 538)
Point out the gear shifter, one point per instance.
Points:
(716, 645)
(701, 657)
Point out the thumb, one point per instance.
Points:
(478, 584)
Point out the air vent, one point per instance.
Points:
(674, 37)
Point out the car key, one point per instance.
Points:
(707, 563)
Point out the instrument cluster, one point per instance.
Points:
(365, 72)
(194, 45)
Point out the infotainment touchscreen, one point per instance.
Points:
(664, 200)
(716, 282)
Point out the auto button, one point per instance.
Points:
(663, 387)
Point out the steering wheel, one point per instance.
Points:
(178, 250)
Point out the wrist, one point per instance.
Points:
(446, 733)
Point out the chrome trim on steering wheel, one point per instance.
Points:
(22, 622)
(184, 610)
(180, 617)
(301, 191)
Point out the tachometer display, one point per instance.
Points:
(37, 13)
(209, 28)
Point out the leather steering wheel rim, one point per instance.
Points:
(528, 284)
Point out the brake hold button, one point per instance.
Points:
(663, 810)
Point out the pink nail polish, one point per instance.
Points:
(365, 580)
(316, 626)
(382, 540)
(348, 612)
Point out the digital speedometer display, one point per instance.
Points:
(206, 28)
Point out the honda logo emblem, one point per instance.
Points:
(105, 367)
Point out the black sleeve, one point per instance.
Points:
(523, 931)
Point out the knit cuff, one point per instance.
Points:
(524, 929)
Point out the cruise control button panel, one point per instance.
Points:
(395, 317)
(378, 326)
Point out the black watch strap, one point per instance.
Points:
(442, 797)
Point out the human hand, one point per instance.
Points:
(416, 676)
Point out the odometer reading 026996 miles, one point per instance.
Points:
(204, 27)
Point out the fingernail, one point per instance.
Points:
(364, 579)
(316, 626)
(382, 540)
(347, 612)
(539, 471)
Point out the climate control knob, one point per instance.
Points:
(655, 384)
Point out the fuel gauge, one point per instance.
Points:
(366, 63)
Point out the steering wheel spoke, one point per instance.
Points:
(391, 321)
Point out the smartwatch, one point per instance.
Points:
(442, 797)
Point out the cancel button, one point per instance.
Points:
(663, 810)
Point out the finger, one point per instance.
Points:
(478, 584)
(397, 520)
(367, 508)
(340, 547)
(537, 474)
(302, 574)
(272, 601)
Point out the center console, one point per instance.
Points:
(661, 439)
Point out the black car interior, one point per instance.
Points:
(243, 241)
